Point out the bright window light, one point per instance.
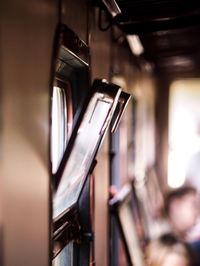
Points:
(58, 128)
(184, 139)
(176, 169)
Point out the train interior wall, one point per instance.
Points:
(26, 42)
(27, 33)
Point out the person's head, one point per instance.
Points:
(181, 206)
(167, 250)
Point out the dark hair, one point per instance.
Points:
(168, 239)
(158, 249)
(177, 194)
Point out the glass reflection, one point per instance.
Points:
(59, 126)
(89, 134)
(65, 257)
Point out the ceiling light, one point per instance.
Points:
(135, 44)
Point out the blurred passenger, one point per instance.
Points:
(182, 208)
(167, 250)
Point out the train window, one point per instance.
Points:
(89, 130)
(122, 211)
(80, 117)
(91, 125)
(70, 83)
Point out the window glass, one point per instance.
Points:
(66, 257)
(59, 126)
(89, 133)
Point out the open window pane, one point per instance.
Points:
(88, 136)
(122, 210)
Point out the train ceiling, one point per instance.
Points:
(168, 29)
